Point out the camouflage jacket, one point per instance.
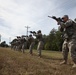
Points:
(69, 29)
(39, 36)
(31, 39)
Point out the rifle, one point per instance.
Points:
(24, 36)
(33, 32)
(55, 18)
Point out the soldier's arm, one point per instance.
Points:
(35, 34)
(38, 35)
(67, 24)
(60, 29)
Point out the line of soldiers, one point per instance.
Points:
(21, 43)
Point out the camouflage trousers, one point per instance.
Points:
(40, 47)
(24, 46)
(69, 46)
(31, 47)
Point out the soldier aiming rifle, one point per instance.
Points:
(32, 43)
(69, 34)
(39, 37)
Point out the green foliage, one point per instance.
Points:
(36, 43)
(53, 41)
(3, 44)
(47, 46)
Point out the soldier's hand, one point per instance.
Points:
(58, 23)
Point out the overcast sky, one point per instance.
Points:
(16, 14)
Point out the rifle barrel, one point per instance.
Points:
(49, 16)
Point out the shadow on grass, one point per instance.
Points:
(52, 58)
(47, 57)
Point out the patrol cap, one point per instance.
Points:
(65, 16)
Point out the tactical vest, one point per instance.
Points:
(69, 31)
(39, 37)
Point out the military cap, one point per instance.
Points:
(65, 16)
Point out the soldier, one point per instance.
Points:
(40, 42)
(69, 34)
(23, 43)
(32, 43)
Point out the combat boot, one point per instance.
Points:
(74, 66)
(63, 62)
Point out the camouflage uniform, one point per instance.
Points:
(32, 43)
(40, 43)
(69, 45)
(23, 44)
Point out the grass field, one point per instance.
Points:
(16, 63)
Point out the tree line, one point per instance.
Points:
(4, 44)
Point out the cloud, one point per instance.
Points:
(16, 14)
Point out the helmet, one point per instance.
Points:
(30, 35)
(39, 31)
